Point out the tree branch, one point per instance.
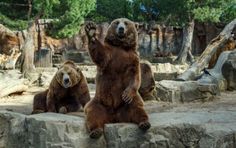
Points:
(10, 4)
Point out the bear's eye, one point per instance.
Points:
(126, 23)
(117, 23)
(69, 73)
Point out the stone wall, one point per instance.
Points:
(152, 38)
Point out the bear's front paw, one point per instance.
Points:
(128, 95)
(90, 29)
(144, 125)
(63, 110)
(95, 134)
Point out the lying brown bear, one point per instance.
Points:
(67, 91)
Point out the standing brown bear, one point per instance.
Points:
(67, 91)
(118, 78)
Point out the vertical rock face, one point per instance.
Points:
(59, 131)
(198, 129)
(12, 131)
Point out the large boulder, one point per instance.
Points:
(167, 71)
(185, 91)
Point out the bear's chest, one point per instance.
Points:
(120, 61)
(64, 94)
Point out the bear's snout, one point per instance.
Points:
(66, 80)
(120, 30)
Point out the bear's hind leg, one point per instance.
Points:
(134, 113)
(96, 117)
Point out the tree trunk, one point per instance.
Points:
(204, 59)
(187, 43)
(28, 48)
(160, 38)
(30, 9)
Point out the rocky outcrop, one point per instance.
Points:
(185, 91)
(167, 71)
(200, 129)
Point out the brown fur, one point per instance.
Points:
(39, 103)
(62, 99)
(117, 81)
(147, 87)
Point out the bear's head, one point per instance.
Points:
(122, 33)
(68, 75)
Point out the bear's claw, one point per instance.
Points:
(95, 134)
(144, 125)
(127, 96)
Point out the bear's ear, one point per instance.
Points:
(57, 66)
(78, 70)
(136, 25)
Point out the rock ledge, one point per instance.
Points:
(214, 129)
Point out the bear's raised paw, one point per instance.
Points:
(90, 29)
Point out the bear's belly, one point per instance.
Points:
(109, 91)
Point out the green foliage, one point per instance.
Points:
(95, 16)
(181, 11)
(207, 14)
(13, 24)
(215, 11)
(68, 15)
(108, 10)
(8, 11)
(229, 12)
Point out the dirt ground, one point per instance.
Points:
(226, 101)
